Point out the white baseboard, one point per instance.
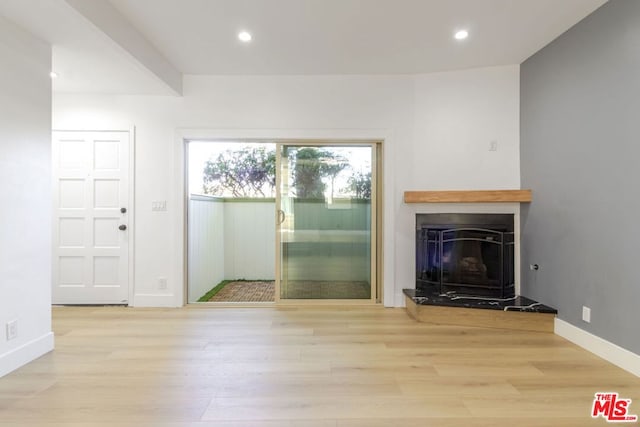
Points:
(20, 356)
(609, 351)
(399, 301)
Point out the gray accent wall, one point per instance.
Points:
(580, 153)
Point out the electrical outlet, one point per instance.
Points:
(12, 330)
(162, 283)
(493, 145)
(586, 314)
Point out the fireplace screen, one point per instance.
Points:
(466, 258)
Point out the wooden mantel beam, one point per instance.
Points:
(468, 196)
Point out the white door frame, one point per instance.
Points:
(131, 131)
(184, 135)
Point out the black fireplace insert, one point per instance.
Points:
(466, 254)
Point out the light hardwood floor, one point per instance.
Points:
(314, 367)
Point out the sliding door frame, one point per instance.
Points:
(373, 137)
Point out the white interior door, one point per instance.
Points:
(91, 212)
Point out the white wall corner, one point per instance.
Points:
(608, 351)
(20, 356)
(400, 300)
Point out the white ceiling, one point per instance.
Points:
(84, 57)
(349, 36)
(291, 36)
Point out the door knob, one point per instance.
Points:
(122, 227)
(123, 210)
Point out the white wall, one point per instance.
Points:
(429, 123)
(249, 240)
(229, 240)
(457, 115)
(25, 196)
(206, 245)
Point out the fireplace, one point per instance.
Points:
(465, 254)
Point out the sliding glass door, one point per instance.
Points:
(326, 220)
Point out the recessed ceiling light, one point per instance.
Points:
(244, 36)
(53, 75)
(461, 35)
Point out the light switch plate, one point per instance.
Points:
(12, 330)
(160, 205)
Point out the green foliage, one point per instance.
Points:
(360, 185)
(310, 166)
(206, 297)
(331, 167)
(245, 172)
(250, 171)
(307, 179)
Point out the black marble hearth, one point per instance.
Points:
(432, 296)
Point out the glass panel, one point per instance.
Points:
(231, 206)
(325, 222)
